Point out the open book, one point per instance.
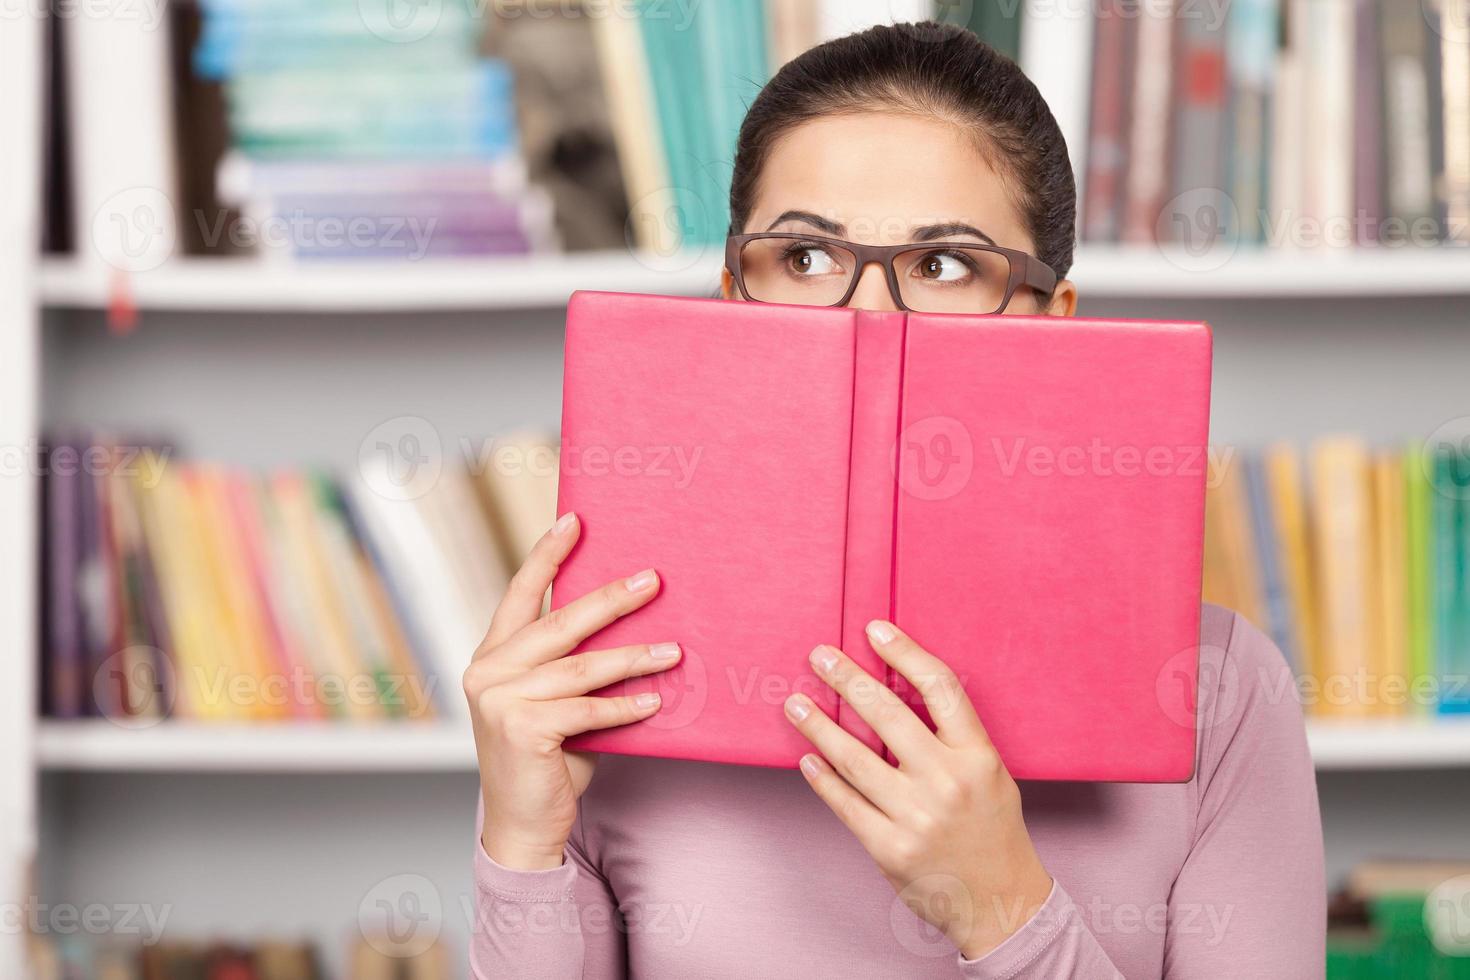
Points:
(1023, 495)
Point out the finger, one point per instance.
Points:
(521, 604)
(558, 632)
(895, 722)
(573, 716)
(859, 765)
(586, 672)
(867, 823)
(955, 719)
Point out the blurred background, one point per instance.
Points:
(280, 349)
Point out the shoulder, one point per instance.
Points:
(1249, 706)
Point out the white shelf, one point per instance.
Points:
(1412, 744)
(245, 285)
(328, 748)
(324, 748)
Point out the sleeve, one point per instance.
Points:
(559, 924)
(1055, 945)
(1251, 899)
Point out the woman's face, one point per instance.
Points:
(886, 178)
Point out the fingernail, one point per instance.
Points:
(881, 632)
(642, 582)
(646, 701)
(824, 658)
(809, 766)
(564, 523)
(664, 651)
(796, 708)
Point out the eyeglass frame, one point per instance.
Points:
(1025, 268)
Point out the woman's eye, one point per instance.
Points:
(809, 260)
(943, 267)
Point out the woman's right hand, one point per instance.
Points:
(527, 697)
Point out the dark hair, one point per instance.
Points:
(932, 69)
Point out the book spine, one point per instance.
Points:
(1107, 152)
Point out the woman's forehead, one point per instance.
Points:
(880, 176)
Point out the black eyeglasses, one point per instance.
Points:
(930, 277)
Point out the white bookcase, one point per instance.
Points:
(288, 831)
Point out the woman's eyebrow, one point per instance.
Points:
(930, 233)
(815, 220)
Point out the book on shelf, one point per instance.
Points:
(1354, 560)
(214, 593)
(378, 957)
(1401, 917)
(1311, 123)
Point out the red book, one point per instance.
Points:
(1023, 495)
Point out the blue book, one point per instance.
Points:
(1273, 581)
(1450, 491)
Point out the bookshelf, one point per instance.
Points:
(435, 748)
(244, 285)
(20, 121)
(262, 362)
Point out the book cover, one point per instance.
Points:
(950, 473)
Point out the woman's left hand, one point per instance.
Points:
(945, 825)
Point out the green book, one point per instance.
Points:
(997, 22)
(677, 81)
(1451, 518)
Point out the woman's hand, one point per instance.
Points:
(527, 697)
(944, 826)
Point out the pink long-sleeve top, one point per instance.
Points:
(681, 870)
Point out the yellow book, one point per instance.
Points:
(244, 619)
(1232, 575)
(332, 643)
(1391, 645)
(1294, 557)
(1340, 511)
(167, 526)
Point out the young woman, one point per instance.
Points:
(941, 866)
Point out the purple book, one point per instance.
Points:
(62, 664)
(1368, 149)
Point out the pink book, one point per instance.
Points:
(1023, 495)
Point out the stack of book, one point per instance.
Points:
(358, 133)
(210, 593)
(1357, 562)
(377, 959)
(1401, 918)
(1297, 123)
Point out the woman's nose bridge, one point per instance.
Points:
(872, 291)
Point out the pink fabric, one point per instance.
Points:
(680, 869)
